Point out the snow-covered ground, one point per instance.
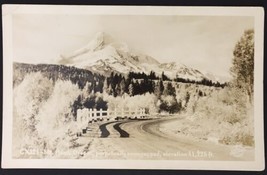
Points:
(184, 127)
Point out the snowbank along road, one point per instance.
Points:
(146, 139)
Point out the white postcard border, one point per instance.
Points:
(9, 162)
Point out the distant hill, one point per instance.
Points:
(56, 72)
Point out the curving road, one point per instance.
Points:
(143, 139)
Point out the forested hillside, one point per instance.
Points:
(167, 92)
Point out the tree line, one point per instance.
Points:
(81, 77)
(115, 84)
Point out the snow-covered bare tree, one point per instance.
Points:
(29, 96)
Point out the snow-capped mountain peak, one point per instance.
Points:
(97, 43)
(103, 54)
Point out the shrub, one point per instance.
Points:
(227, 113)
(170, 104)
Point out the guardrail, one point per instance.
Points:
(89, 115)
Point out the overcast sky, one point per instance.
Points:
(205, 43)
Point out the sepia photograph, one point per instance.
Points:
(118, 84)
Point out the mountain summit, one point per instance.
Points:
(103, 54)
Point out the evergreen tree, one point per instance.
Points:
(117, 90)
(89, 87)
(101, 104)
(170, 90)
(131, 89)
(157, 91)
(161, 87)
(152, 76)
(243, 63)
(97, 87)
(106, 85)
(151, 85)
(137, 88)
(90, 102)
(163, 76)
(122, 86)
